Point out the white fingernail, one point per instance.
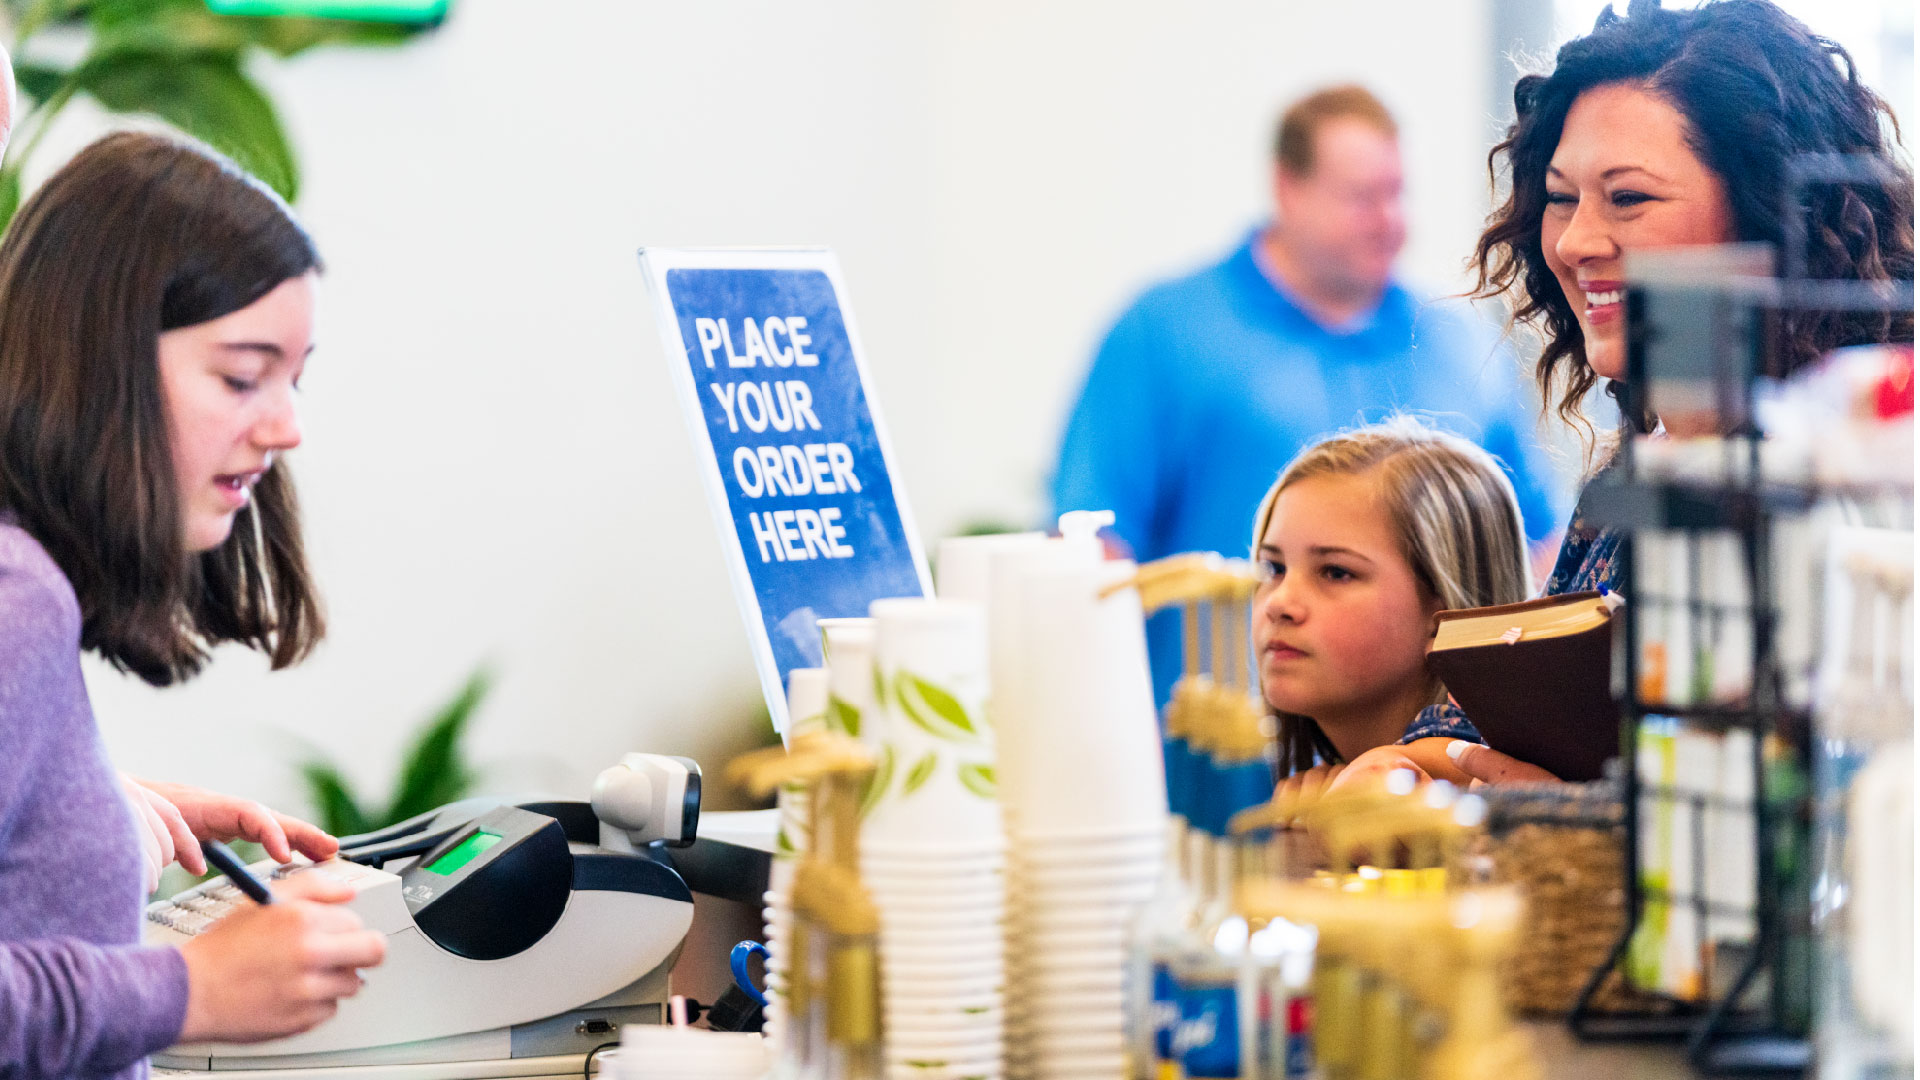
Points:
(1456, 748)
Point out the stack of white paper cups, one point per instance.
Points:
(966, 563)
(1086, 801)
(660, 1052)
(932, 845)
(806, 711)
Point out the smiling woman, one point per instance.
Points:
(1674, 128)
(1665, 128)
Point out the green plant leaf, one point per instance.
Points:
(434, 771)
(38, 81)
(933, 710)
(206, 95)
(333, 800)
(189, 25)
(843, 717)
(291, 36)
(980, 780)
(783, 844)
(878, 782)
(921, 772)
(880, 692)
(9, 197)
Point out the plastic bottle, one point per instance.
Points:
(1206, 973)
(1166, 928)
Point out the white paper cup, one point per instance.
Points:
(904, 976)
(1085, 918)
(1097, 980)
(964, 563)
(907, 1020)
(918, 851)
(984, 1037)
(1088, 897)
(1087, 831)
(1093, 959)
(1089, 1038)
(971, 1056)
(971, 1053)
(912, 996)
(1044, 922)
(1008, 634)
(1139, 866)
(934, 1070)
(1024, 944)
(1058, 1028)
(1083, 1003)
(1046, 847)
(945, 1071)
(1143, 882)
(1053, 1063)
(989, 963)
(936, 771)
(938, 901)
(849, 645)
(807, 690)
(939, 954)
(974, 1067)
(984, 876)
(896, 920)
(955, 991)
(670, 1052)
(1084, 750)
(945, 956)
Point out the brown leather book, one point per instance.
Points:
(1535, 678)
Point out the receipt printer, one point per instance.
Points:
(498, 916)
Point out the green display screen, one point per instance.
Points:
(417, 12)
(462, 853)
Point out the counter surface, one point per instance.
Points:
(1564, 1057)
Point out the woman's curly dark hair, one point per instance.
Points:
(1757, 89)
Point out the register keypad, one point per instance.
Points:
(197, 909)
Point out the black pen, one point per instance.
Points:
(221, 858)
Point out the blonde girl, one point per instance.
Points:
(1363, 539)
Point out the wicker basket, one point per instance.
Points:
(1562, 844)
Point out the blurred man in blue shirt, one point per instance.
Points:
(1210, 383)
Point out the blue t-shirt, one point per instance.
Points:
(1210, 383)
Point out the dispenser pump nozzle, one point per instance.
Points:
(1083, 526)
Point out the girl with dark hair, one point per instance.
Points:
(1670, 128)
(156, 312)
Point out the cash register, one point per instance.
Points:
(520, 935)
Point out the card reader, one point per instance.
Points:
(503, 921)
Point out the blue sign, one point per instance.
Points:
(774, 388)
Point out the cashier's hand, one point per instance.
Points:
(164, 835)
(1489, 766)
(278, 969)
(209, 815)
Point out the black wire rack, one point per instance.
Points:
(1758, 1022)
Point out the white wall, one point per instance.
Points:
(494, 467)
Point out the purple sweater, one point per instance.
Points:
(79, 995)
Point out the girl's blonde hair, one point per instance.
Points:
(1452, 509)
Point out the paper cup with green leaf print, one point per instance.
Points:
(850, 702)
(936, 783)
